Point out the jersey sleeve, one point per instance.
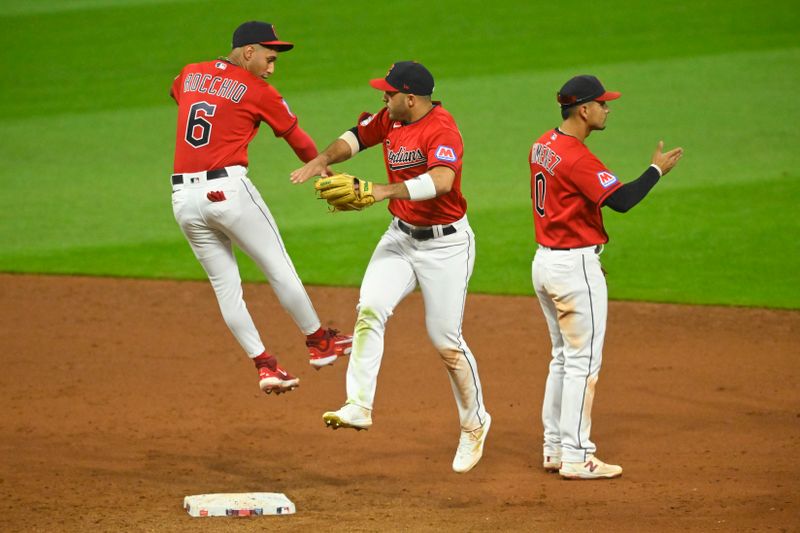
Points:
(372, 129)
(274, 110)
(591, 177)
(445, 148)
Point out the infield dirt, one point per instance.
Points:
(120, 397)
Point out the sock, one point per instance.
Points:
(317, 334)
(266, 360)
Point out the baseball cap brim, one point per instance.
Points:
(382, 85)
(608, 95)
(280, 46)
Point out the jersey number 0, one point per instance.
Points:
(540, 189)
(198, 129)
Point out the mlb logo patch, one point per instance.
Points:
(286, 105)
(367, 120)
(445, 153)
(221, 65)
(607, 179)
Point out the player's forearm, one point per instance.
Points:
(302, 144)
(395, 191)
(630, 194)
(336, 152)
(435, 182)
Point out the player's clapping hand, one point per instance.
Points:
(315, 167)
(666, 160)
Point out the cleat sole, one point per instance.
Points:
(278, 389)
(569, 477)
(336, 423)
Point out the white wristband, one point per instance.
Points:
(421, 187)
(660, 173)
(350, 138)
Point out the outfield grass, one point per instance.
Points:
(88, 133)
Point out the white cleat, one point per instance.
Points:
(591, 468)
(470, 447)
(551, 463)
(349, 416)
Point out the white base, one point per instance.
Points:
(238, 504)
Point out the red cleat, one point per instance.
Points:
(271, 377)
(327, 348)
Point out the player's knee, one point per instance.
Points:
(442, 335)
(370, 318)
(373, 310)
(451, 357)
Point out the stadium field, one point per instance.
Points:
(88, 134)
(124, 390)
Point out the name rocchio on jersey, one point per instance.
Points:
(214, 85)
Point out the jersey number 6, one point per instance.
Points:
(540, 189)
(198, 129)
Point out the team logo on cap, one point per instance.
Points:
(445, 153)
(607, 179)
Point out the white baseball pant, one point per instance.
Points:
(442, 267)
(244, 219)
(572, 291)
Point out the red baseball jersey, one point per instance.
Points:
(220, 107)
(568, 187)
(411, 149)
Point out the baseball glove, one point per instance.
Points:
(344, 192)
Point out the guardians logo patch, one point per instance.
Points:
(405, 158)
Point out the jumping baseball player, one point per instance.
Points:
(569, 185)
(220, 107)
(428, 243)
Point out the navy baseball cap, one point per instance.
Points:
(263, 33)
(407, 77)
(582, 89)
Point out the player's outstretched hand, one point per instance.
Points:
(666, 160)
(315, 167)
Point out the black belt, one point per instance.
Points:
(424, 234)
(596, 248)
(177, 179)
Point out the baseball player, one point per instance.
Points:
(429, 243)
(220, 107)
(569, 185)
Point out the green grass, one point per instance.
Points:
(88, 133)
